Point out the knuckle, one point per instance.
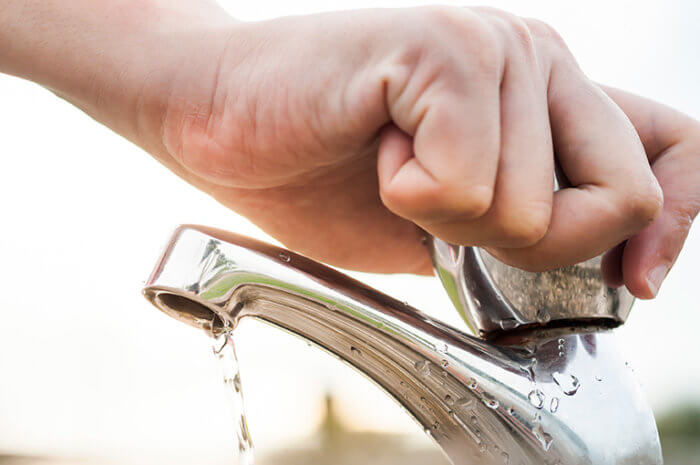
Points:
(440, 203)
(518, 31)
(396, 200)
(475, 37)
(522, 35)
(683, 219)
(544, 35)
(525, 226)
(475, 202)
(643, 205)
(543, 31)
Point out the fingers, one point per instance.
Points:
(449, 169)
(469, 156)
(648, 256)
(521, 209)
(476, 172)
(614, 193)
(672, 143)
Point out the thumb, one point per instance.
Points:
(648, 256)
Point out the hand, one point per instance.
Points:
(672, 143)
(338, 133)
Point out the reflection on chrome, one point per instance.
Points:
(538, 391)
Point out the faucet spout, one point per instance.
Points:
(540, 396)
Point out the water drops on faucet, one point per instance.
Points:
(507, 324)
(545, 439)
(423, 368)
(489, 400)
(429, 368)
(465, 403)
(543, 316)
(554, 405)
(536, 398)
(569, 384)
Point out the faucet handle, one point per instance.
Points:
(493, 297)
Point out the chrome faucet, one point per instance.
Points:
(543, 381)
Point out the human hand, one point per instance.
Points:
(338, 133)
(672, 144)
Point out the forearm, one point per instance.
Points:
(101, 53)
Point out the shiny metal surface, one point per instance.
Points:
(493, 297)
(547, 396)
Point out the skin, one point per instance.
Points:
(346, 135)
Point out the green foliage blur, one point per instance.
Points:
(679, 430)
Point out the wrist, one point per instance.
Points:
(116, 59)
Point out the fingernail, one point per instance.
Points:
(655, 277)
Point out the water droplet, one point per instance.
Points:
(476, 302)
(598, 378)
(569, 384)
(536, 398)
(442, 348)
(554, 405)
(561, 354)
(508, 323)
(449, 400)
(529, 371)
(489, 400)
(505, 458)
(483, 447)
(472, 384)
(444, 363)
(545, 439)
(511, 411)
(465, 403)
(285, 257)
(543, 316)
(496, 448)
(355, 352)
(423, 367)
(473, 420)
(436, 426)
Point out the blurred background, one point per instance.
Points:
(91, 373)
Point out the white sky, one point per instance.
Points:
(88, 367)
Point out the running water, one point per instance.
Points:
(225, 352)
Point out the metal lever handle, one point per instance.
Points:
(493, 297)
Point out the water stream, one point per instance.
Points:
(225, 352)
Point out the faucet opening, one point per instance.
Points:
(186, 309)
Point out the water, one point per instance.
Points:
(489, 400)
(554, 405)
(536, 398)
(423, 368)
(569, 384)
(225, 352)
(544, 438)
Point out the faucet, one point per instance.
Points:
(542, 380)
